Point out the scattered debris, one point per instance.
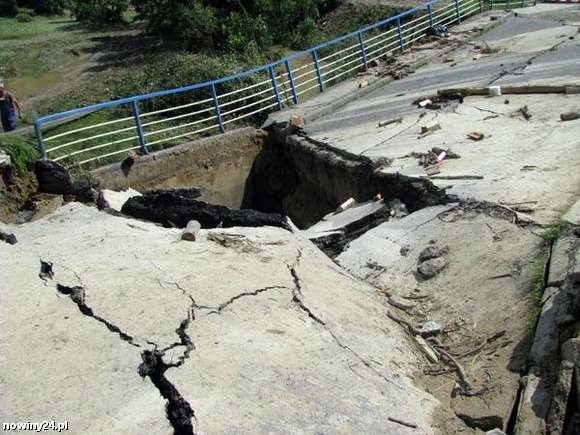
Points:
(439, 31)
(46, 271)
(428, 269)
(474, 135)
(403, 423)
(400, 303)
(425, 103)
(114, 200)
(191, 231)
(430, 329)
(7, 236)
(506, 101)
(363, 84)
(297, 121)
(346, 205)
(457, 177)
(390, 121)
(129, 161)
(569, 116)
(427, 349)
(448, 59)
(490, 117)
(523, 111)
(494, 91)
(431, 159)
(432, 251)
(430, 128)
(54, 178)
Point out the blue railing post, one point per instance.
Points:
(400, 34)
(522, 4)
(363, 53)
(480, 6)
(275, 86)
(457, 11)
(430, 11)
(491, 5)
(216, 105)
(317, 68)
(39, 139)
(291, 80)
(509, 5)
(139, 127)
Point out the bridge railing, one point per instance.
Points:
(106, 132)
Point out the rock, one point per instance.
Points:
(559, 260)
(401, 303)
(6, 235)
(431, 251)
(555, 423)
(474, 135)
(53, 178)
(363, 84)
(39, 205)
(298, 121)
(570, 350)
(575, 272)
(4, 159)
(430, 328)
(430, 268)
(115, 200)
(191, 231)
(170, 209)
(572, 216)
(534, 404)
(545, 345)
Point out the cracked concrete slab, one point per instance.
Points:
(279, 337)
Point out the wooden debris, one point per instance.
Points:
(427, 349)
(430, 128)
(191, 231)
(474, 135)
(569, 116)
(458, 177)
(403, 423)
(403, 322)
(459, 368)
(513, 90)
(390, 121)
(523, 111)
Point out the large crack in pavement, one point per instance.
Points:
(178, 410)
(297, 298)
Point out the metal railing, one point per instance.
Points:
(107, 131)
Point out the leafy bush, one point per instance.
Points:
(23, 17)
(99, 13)
(8, 8)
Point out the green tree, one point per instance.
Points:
(8, 8)
(99, 13)
(186, 23)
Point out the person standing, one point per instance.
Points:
(9, 105)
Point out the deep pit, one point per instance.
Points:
(280, 172)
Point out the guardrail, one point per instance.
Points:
(104, 132)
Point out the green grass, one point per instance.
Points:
(552, 233)
(11, 29)
(21, 150)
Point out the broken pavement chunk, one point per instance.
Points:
(425, 103)
(432, 251)
(363, 84)
(474, 135)
(430, 268)
(7, 236)
(430, 127)
(569, 116)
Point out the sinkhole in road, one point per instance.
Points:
(279, 172)
(305, 180)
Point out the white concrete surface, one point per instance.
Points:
(285, 341)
